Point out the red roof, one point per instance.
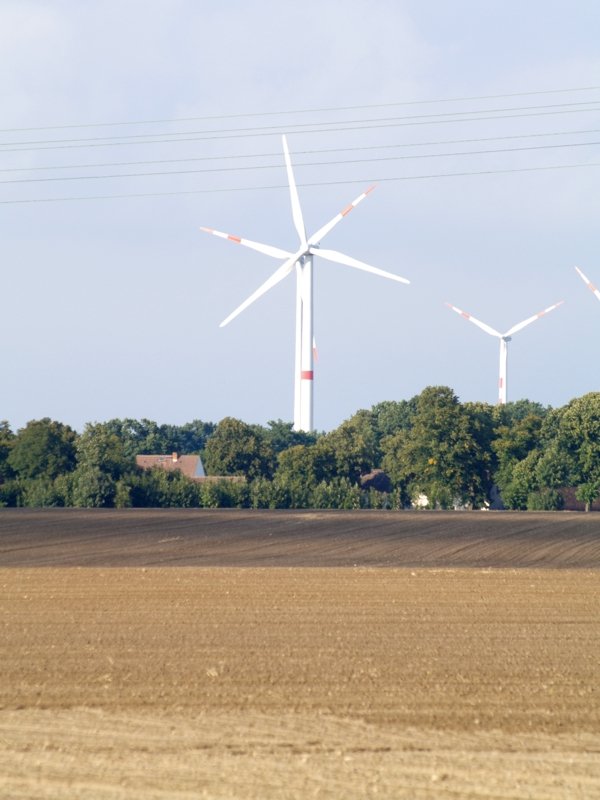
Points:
(191, 466)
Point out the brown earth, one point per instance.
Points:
(335, 655)
(205, 537)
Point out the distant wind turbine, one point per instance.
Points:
(302, 260)
(588, 283)
(504, 339)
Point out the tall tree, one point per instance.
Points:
(146, 436)
(43, 449)
(101, 462)
(189, 438)
(236, 448)
(280, 435)
(573, 453)
(438, 456)
(350, 450)
(298, 472)
(514, 443)
(7, 440)
(392, 416)
(517, 410)
(136, 436)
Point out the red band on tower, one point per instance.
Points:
(307, 375)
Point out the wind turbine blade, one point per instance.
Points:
(588, 283)
(296, 209)
(316, 237)
(267, 249)
(529, 320)
(482, 325)
(279, 274)
(340, 258)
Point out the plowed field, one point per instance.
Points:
(238, 655)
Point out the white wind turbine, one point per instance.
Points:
(302, 260)
(588, 283)
(504, 339)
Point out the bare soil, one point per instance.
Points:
(237, 538)
(304, 655)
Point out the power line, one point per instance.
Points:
(301, 185)
(303, 125)
(255, 167)
(330, 109)
(262, 133)
(302, 152)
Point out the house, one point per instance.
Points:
(191, 466)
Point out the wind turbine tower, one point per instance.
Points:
(301, 260)
(504, 340)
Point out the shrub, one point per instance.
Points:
(545, 500)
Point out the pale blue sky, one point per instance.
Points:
(111, 306)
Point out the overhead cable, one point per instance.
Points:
(255, 167)
(303, 126)
(301, 185)
(329, 109)
(245, 156)
(326, 130)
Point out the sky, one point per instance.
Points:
(126, 126)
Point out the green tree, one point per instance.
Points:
(391, 417)
(136, 436)
(588, 493)
(545, 500)
(43, 449)
(44, 493)
(173, 489)
(93, 488)
(101, 462)
(146, 436)
(188, 439)
(513, 443)
(337, 493)
(11, 493)
(439, 456)
(236, 448)
(297, 475)
(261, 493)
(573, 452)
(225, 494)
(99, 446)
(7, 440)
(395, 465)
(517, 410)
(349, 451)
(523, 482)
(280, 435)
(481, 426)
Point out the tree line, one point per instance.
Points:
(431, 449)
